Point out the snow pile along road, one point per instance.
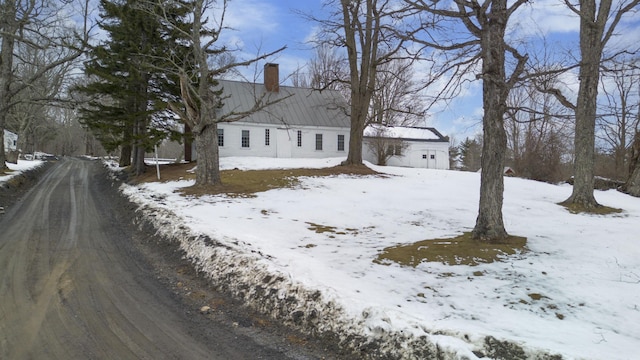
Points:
(305, 255)
(19, 168)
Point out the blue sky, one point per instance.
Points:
(266, 25)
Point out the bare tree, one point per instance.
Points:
(619, 119)
(32, 114)
(398, 100)
(383, 145)
(598, 21)
(632, 186)
(360, 27)
(538, 130)
(328, 69)
(200, 93)
(486, 23)
(36, 24)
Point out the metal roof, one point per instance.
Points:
(298, 106)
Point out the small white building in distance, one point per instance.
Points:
(418, 147)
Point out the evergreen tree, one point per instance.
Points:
(127, 93)
(470, 151)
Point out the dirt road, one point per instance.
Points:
(72, 286)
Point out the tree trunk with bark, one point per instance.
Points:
(356, 134)
(362, 67)
(125, 155)
(188, 141)
(632, 186)
(140, 135)
(597, 25)
(8, 27)
(489, 223)
(591, 48)
(208, 170)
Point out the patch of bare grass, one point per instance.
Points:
(460, 250)
(593, 210)
(246, 183)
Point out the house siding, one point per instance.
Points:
(283, 141)
(10, 141)
(418, 154)
(311, 112)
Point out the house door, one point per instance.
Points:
(432, 160)
(283, 143)
(428, 159)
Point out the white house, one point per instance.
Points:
(10, 141)
(11, 146)
(304, 123)
(418, 147)
(309, 123)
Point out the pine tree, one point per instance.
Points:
(127, 91)
(470, 151)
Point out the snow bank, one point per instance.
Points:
(20, 167)
(305, 256)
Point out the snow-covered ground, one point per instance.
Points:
(575, 293)
(21, 166)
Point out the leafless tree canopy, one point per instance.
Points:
(199, 95)
(485, 25)
(598, 22)
(37, 42)
(618, 114)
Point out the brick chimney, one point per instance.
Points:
(271, 77)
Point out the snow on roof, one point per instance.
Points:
(8, 133)
(404, 132)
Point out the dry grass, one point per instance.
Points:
(243, 183)
(594, 210)
(461, 250)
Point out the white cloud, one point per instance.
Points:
(545, 17)
(252, 16)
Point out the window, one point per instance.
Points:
(220, 137)
(318, 141)
(340, 142)
(299, 138)
(394, 150)
(424, 156)
(266, 137)
(245, 138)
(432, 157)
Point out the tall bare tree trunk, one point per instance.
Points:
(188, 141)
(597, 25)
(632, 186)
(139, 148)
(356, 134)
(362, 67)
(489, 223)
(125, 155)
(591, 48)
(208, 171)
(8, 27)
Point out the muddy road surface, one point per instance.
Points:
(72, 285)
